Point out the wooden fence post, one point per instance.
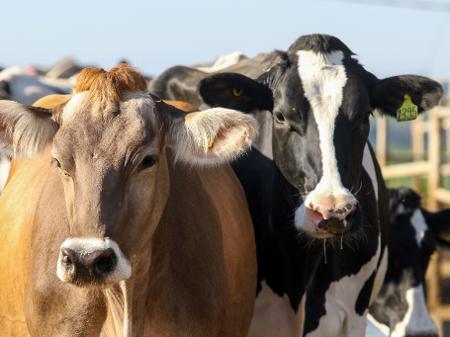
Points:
(417, 144)
(382, 140)
(434, 156)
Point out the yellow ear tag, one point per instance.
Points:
(237, 92)
(408, 111)
(210, 143)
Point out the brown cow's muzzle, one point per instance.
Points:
(95, 265)
(92, 261)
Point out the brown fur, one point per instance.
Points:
(186, 230)
(110, 85)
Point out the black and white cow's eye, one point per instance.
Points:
(147, 162)
(279, 117)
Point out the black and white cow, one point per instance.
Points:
(316, 194)
(400, 307)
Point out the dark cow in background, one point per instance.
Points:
(181, 82)
(320, 208)
(400, 308)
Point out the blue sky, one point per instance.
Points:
(154, 35)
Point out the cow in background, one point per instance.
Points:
(20, 85)
(400, 308)
(181, 82)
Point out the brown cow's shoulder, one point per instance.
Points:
(17, 205)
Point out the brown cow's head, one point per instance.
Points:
(108, 141)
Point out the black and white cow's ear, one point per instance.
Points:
(235, 91)
(25, 130)
(393, 93)
(439, 223)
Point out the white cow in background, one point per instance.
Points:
(26, 87)
(373, 331)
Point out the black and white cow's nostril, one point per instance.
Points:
(333, 226)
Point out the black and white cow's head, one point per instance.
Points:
(321, 99)
(400, 308)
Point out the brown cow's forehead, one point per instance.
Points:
(112, 131)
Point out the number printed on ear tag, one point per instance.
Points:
(408, 111)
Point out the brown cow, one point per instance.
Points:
(106, 231)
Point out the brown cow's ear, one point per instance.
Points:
(26, 129)
(208, 137)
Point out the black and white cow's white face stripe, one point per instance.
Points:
(323, 77)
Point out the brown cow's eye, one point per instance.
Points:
(55, 162)
(147, 162)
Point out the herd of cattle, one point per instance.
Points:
(119, 215)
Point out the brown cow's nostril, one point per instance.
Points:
(106, 262)
(68, 256)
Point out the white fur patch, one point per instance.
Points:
(323, 78)
(420, 225)
(376, 329)
(417, 320)
(25, 132)
(340, 319)
(274, 317)
(223, 62)
(379, 277)
(369, 166)
(71, 105)
(89, 245)
(5, 165)
(213, 136)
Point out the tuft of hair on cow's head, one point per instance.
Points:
(208, 137)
